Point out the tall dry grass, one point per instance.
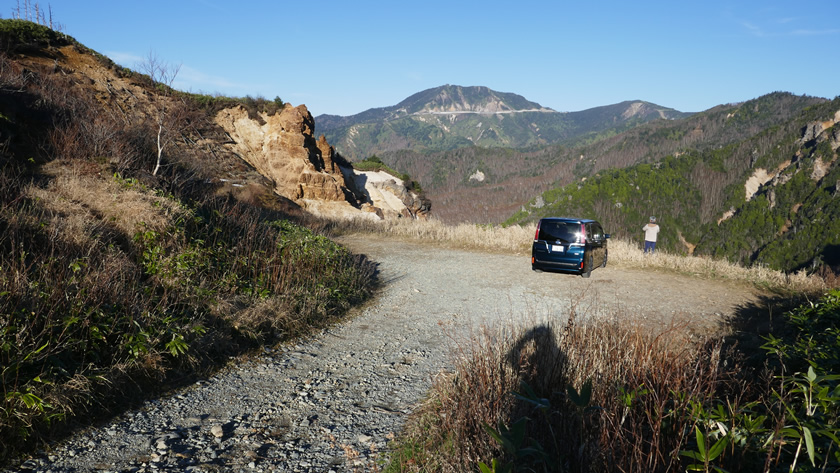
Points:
(642, 386)
(622, 253)
(629, 254)
(486, 237)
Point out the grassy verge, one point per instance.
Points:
(116, 284)
(108, 285)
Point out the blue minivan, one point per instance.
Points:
(569, 244)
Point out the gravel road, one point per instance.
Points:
(331, 403)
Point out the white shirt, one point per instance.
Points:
(651, 230)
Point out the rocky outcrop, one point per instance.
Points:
(306, 170)
(814, 131)
(281, 147)
(388, 196)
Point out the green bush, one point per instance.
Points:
(21, 34)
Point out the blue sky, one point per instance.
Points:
(344, 57)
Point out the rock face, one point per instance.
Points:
(388, 196)
(306, 170)
(283, 149)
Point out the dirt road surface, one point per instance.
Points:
(333, 402)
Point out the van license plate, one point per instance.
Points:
(558, 248)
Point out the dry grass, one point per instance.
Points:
(619, 357)
(622, 253)
(629, 254)
(80, 199)
(487, 237)
(109, 280)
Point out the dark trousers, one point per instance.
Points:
(650, 246)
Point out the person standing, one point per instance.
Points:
(651, 229)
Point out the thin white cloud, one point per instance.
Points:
(125, 59)
(198, 79)
(815, 32)
(760, 32)
(752, 29)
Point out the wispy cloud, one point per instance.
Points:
(125, 59)
(783, 27)
(828, 32)
(195, 80)
(753, 29)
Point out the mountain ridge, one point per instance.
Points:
(511, 175)
(451, 116)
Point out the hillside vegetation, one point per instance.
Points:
(511, 178)
(700, 196)
(116, 283)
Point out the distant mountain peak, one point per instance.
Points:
(455, 99)
(454, 116)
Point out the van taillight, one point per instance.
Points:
(537, 234)
(583, 233)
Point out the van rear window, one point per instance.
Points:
(567, 232)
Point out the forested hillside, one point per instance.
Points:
(486, 185)
(767, 199)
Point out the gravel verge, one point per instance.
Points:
(332, 402)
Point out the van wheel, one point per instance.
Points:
(604, 265)
(587, 267)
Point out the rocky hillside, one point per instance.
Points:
(120, 278)
(247, 151)
(307, 171)
(451, 116)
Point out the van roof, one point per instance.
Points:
(569, 219)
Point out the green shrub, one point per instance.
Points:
(21, 34)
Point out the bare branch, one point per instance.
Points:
(168, 120)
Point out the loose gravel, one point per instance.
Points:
(332, 403)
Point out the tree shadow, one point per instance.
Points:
(752, 323)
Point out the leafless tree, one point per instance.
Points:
(168, 114)
(36, 14)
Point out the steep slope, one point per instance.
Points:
(254, 152)
(117, 282)
(450, 117)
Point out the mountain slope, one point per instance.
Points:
(769, 199)
(488, 184)
(450, 117)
